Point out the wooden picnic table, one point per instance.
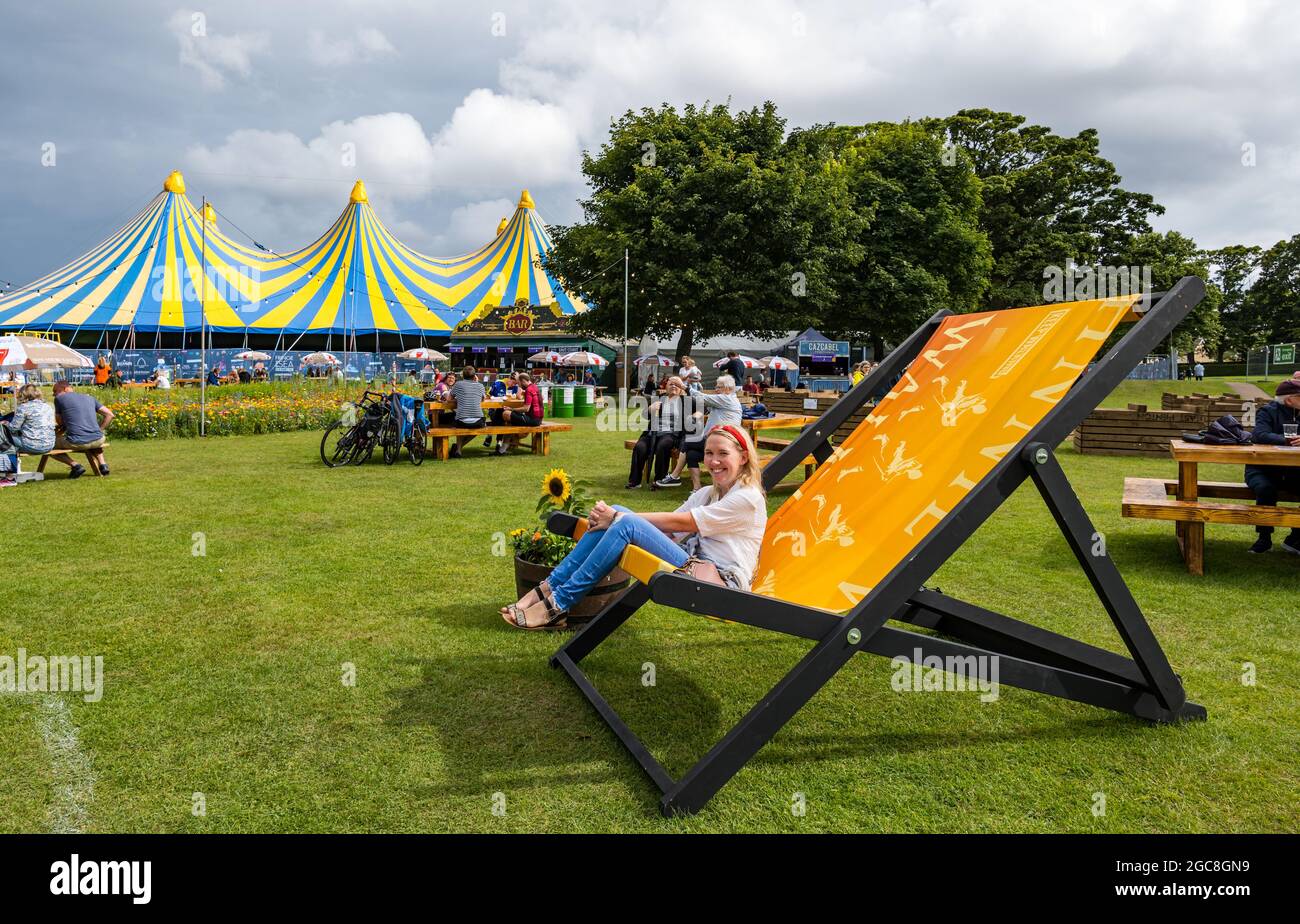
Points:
(778, 422)
(489, 404)
(1148, 498)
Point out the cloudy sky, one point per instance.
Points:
(447, 110)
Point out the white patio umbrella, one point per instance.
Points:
(254, 355)
(748, 361)
(583, 358)
(549, 357)
(321, 359)
(655, 360)
(779, 363)
(424, 353)
(18, 352)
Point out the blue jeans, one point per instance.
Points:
(599, 550)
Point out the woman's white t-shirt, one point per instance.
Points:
(730, 529)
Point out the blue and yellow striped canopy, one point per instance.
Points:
(357, 278)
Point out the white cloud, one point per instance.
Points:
(494, 141)
(368, 43)
(389, 151)
(214, 56)
(472, 225)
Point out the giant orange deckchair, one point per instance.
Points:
(980, 404)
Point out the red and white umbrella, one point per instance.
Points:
(38, 353)
(255, 355)
(780, 363)
(583, 358)
(321, 359)
(748, 361)
(424, 353)
(655, 360)
(550, 357)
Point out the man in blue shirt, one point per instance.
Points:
(1267, 481)
(81, 420)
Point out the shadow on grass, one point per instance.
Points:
(508, 720)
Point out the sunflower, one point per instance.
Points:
(556, 486)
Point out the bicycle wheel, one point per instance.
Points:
(415, 446)
(337, 444)
(365, 446)
(390, 440)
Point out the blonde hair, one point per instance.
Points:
(29, 393)
(751, 473)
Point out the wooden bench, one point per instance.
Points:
(809, 463)
(45, 457)
(1153, 499)
(440, 438)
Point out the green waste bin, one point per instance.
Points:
(584, 401)
(562, 401)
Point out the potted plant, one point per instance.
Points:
(538, 551)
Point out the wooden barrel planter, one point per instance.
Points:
(528, 575)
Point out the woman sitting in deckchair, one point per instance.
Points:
(720, 526)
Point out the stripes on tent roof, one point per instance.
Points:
(357, 278)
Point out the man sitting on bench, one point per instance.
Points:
(468, 394)
(1267, 480)
(81, 422)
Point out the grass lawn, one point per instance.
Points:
(225, 672)
(1136, 391)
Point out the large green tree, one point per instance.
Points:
(1046, 199)
(920, 248)
(1241, 327)
(1170, 257)
(1274, 299)
(730, 229)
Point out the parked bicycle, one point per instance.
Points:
(353, 437)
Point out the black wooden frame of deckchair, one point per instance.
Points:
(1143, 685)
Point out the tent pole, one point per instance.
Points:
(627, 370)
(203, 323)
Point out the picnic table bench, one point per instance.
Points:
(45, 457)
(440, 437)
(809, 463)
(1183, 501)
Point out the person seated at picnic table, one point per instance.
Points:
(442, 388)
(161, 378)
(720, 526)
(495, 387)
(214, 377)
(80, 421)
(260, 373)
(723, 409)
(412, 378)
(29, 427)
(651, 387)
(468, 394)
(665, 428)
(752, 387)
(1267, 481)
(530, 415)
(244, 376)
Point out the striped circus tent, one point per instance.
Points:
(356, 279)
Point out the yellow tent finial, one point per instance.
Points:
(359, 192)
(526, 201)
(501, 227)
(175, 183)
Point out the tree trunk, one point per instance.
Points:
(877, 349)
(685, 341)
